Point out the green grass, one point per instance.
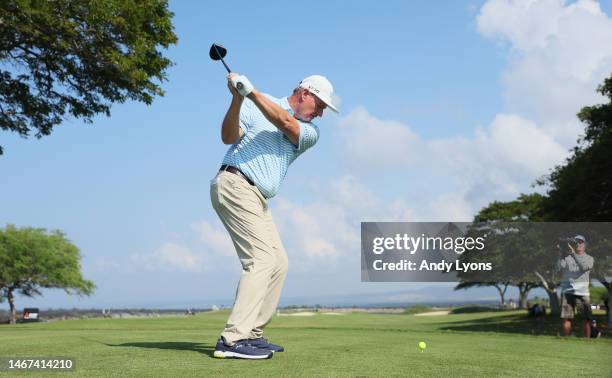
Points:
(481, 344)
(418, 309)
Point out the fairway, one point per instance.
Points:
(355, 344)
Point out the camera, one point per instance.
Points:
(562, 244)
(568, 241)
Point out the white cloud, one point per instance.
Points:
(326, 232)
(527, 24)
(560, 53)
(359, 202)
(170, 256)
(464, 173)
(212, 248)
(510, 145)
(451, 207)
(520, 145)
(214, 237)
(385, 143)
(315, 232)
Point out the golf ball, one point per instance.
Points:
(422, 345)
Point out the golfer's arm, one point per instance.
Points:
(279, 117)
(231, 130)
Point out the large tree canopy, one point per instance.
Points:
(32, 259)
(527, 207)
(61, 58)
(581, 189)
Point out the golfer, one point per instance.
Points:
(266, 135)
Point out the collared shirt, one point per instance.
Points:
(264, 153)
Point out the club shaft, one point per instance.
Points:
(226, 67)
(238, 85)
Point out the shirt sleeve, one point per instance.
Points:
(246, 114)
(309, 135)
(584, 262)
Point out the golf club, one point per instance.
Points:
(218, 52)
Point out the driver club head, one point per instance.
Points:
(217, 52)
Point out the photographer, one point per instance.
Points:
(575, 266)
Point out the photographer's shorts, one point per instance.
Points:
(570, 303)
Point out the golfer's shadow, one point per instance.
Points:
(195, 347)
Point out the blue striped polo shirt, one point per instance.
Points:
(264, 153)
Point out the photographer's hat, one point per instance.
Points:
(580, 237)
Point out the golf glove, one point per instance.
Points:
(242, 85)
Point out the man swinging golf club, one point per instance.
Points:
(266, 135)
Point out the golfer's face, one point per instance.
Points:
(312, 107)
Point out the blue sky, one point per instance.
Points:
(444, 108)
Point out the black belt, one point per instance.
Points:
(236, 171)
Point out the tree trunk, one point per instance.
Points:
(11, 300)
(523, 292)
(553, 298)
(609, 303)
(608, 285)
(609, 312)
(502, 293)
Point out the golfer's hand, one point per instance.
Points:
(230, 85)
(241, 83)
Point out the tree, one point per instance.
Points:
(66, 58)
(581, 189)
(32, 259)
(500, 286)
(599, 294)
(527, 207)
(524, 289)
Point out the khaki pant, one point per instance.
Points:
(245, 214)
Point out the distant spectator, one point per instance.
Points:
(537, 310)
(595, 332)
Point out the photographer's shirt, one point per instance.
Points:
(576, 269)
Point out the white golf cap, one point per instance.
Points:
(320, 87)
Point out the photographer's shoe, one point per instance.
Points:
(241, 349)
(262, 343)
